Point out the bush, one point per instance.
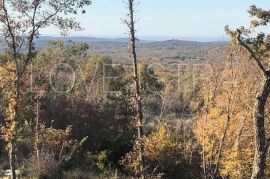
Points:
(45, 166)
(165, 156)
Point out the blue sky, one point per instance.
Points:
(166, 18)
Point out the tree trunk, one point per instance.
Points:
(139, 113)
(12, 160)
(259, 162)
(221, 144)
(12, 149)
(37, 134)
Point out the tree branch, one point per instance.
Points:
(252, 53)
(20, 46)
(34, 31)
(10, 32)
(127, 23)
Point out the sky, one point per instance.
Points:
(166, 18)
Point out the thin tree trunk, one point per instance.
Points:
(139, 115)
(259, 162)
(163, 106)
(203, 152)
(221, 144)
(227, 124)
(12, 160)
(37, 133)
(12, 149)
(239, 135)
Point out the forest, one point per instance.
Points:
(81, 109)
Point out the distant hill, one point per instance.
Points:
(169, 50)
(78, 39)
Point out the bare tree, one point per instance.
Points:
(21, 21)
(130, 22)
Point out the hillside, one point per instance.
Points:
(169, 51)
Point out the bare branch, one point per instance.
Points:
(252, 53)
(127, 23)
(20, 46)
(34, 31)
(10, 32)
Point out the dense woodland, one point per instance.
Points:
(80, 110)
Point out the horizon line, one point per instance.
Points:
(147, 37)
